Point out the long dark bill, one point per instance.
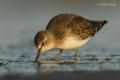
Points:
(38, 54)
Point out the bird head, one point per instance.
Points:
(43, 42)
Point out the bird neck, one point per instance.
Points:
(51, 39)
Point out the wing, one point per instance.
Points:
(77, 25)
(80, 27)
(85, 28)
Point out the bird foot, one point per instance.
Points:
(56, 57)
(36, 61)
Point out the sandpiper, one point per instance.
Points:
(66, 31)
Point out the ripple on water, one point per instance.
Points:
(20, 60)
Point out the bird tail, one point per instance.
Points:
(99, 24)
(103, 22)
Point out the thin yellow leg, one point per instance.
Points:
(76, 56)
(58, 55)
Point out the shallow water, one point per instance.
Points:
(19, 59)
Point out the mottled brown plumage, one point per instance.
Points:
(67, 31)
(84, 28)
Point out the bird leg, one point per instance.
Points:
(76, 56)
(58, 55)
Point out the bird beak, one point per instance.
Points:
(38, 54)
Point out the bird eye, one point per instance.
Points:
(43, 44)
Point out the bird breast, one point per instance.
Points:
(73, 42)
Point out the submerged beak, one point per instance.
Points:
(38, 54)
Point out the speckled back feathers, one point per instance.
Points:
(61, 24)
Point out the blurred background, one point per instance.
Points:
(20, 20)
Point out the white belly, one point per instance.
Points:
(71, 42)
